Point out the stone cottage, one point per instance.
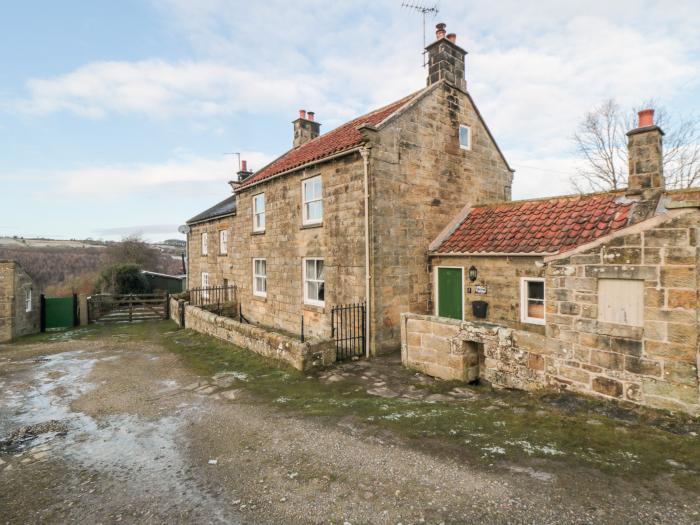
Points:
(592, 293)
(19, 302)
(346, 216)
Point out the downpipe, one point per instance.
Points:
(364, 152)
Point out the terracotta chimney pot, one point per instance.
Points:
(310, 115)
(302, 113)
(646, 118)
(244, 165)
(452, 37)
(440, 30)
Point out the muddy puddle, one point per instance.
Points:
(37, 423)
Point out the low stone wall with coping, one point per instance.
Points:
(469, 350)
(301, 356)
(174, 309)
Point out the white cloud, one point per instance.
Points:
(534, 68)
(161, 89)
(140, 230)
(172, 178)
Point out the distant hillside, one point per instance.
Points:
(60, 267)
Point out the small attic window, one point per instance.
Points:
(465, 137)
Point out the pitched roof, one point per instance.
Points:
(221, 209)
(340, 139)
(540, 226)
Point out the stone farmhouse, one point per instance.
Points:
(348, 215)
(409, 209)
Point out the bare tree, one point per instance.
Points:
(601, 141)
(133, 250)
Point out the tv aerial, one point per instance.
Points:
(425, 11)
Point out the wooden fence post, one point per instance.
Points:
(76, 318)
(42, 313)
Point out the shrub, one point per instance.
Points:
(122, 279)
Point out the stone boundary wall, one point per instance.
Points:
(512, 358)
(174, 309)
(301, 356)
(467, 350)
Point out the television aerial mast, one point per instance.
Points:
(424, 10)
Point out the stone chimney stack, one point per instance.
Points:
(305, 128)
(244, 173)
(645, 152)
(446, 59)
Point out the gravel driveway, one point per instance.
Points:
(116, 429)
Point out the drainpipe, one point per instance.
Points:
(364, 152)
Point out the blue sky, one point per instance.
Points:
(116, 117)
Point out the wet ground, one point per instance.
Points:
(145, 424)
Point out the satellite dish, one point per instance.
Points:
(184, 229)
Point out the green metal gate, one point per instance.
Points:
(58, 312)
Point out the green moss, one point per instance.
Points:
(570, 430)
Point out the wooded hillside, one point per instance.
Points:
(62, 270)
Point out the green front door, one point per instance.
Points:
(449, 290)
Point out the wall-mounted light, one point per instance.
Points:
(472, 273)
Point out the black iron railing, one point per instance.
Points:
(348, 330)
(212, 295)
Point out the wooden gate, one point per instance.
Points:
(107, 308)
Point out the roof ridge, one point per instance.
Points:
(549, 225)
(336, 141)
(550, 198)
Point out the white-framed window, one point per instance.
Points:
(28, 300)
(532, 300)
(259, 212)
(312, 200)
(205, 285)
(465, 136)
(223, 242)
(621, 301)
(205, 243)
(314, 284)
(260, 277)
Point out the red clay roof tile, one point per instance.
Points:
(540, 226)
(340, 139)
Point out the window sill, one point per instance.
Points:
(312, 225)
(222, 254)
(314, 308)
(532, 320)
(261, 232)
(261, 298)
